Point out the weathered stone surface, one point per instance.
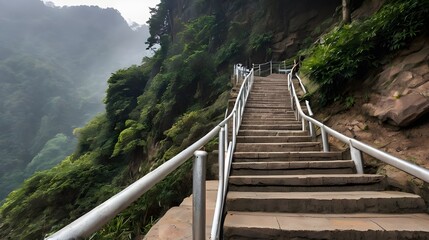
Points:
(400, 112)
(405, 83)
(250, 225)
(326, 202)
(301, 20)
(176, 224)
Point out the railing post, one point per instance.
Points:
(226, 135)
(240, 105)
(271, 67)
(325, 141)
(356, 155)
(312, 130)
(234, 128)
(199, 196)
(219, 199)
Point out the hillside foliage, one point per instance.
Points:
(349, 51)
(152, 112)
(53, 66)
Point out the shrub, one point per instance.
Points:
(349, 49)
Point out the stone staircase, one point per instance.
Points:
(282, 186)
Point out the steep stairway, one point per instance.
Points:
(283, 186)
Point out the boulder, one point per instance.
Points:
(403, 87)
(400, 112)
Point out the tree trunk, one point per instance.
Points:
(346, 12)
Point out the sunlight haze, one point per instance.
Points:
(132, 10)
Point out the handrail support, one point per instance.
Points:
(199, 196)
(325, 141)
(356, 156)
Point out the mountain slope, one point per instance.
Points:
(53, 66)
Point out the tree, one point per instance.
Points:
(346, 12)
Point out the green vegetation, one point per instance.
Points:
(153, 111)
(349, 50)
(53, 67)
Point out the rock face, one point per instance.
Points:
(406, 83)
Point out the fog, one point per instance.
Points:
(54, 65)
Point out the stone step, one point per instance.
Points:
(244, 132)
(268, 110)
(262, 89)
(270, 105)
(269, 121)
(270, 89)
(273, 114)
(272, 139)
(274, 86)
(271, 127)
(250, 225)
(267, 116)
(293, 167)
(280, 93)
(278, 147)
(270, 96)
(326, 202)
(268, 101)
(307, 183)
(270, 83)
(285, 156)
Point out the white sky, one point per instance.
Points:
(132, 10)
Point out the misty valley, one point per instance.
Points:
(54, 65)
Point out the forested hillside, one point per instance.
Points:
(156, 109)
(53, 66)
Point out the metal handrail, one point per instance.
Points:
(307, 104)
(99, 216)
(357, 147)
(281, 67)
(225, 157)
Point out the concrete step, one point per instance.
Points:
(269, 121)
(285, 156)
(269, 93)
(250, 225)
(268, 101)
(267, 105)
(271, 127)
(268, 110)
(326, 202)
(283, 83)
(269, 96)
(256, 116)
(244, 132)
(271, 89)
(307, 183)
(272, 139)
(278, 147)
(275, 89)
(293, 167)
(267, 114)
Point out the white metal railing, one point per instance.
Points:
(356, 147)
(99, 216)
(263, 69)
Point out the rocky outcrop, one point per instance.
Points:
(405, 97)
